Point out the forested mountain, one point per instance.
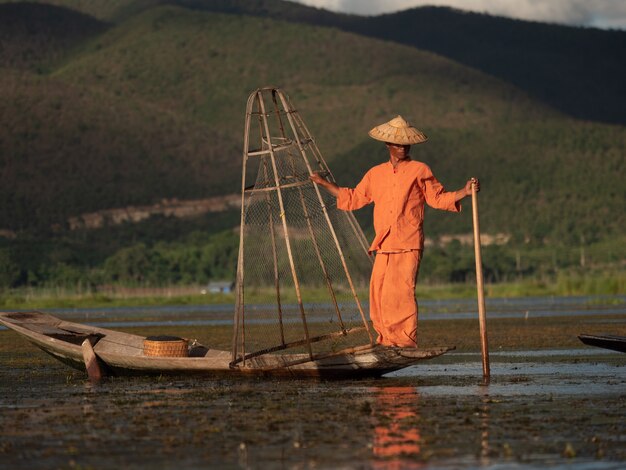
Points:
(143, 101)
(579, 71)
(33, 36)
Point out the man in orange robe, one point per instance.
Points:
(399, 189)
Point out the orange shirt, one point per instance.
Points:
(398, 195)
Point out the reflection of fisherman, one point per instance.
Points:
(398, 188)
(397, 438)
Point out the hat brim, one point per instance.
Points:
(395, 135)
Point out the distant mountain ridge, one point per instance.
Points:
(580, 71)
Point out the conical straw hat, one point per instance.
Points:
(398, 131)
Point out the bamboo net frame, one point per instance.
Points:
(296, 247)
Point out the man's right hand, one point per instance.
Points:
(332, 188)
(318, 179)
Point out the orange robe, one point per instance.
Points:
(399, 195)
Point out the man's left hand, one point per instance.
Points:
(468, 186)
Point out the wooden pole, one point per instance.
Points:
(238, 322)
(480, 287)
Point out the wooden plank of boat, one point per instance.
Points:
(613, 342)
(122, 353)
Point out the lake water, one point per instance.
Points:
(544, 408)
(208, 315)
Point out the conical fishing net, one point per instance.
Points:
(303, 272)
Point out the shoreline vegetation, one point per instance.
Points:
(596, 284)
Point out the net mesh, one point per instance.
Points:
(303, 264)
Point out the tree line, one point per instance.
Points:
(201, 257)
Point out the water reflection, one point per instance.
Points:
(403, 421)
(397, 439)
(484, 425)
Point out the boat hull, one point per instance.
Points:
(122, 354)
(612, 342)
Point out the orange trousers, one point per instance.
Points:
(393, 307)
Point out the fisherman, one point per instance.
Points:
(398, 188)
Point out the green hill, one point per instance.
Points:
(152, 107)
(579, 71)
(35, 35)
(202, 65)
(67, 150)
(205, 65)
(118, 11)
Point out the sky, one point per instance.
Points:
(591, 13)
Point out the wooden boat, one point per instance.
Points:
(120, 353)
(613, 342)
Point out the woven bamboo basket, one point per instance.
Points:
(165, 346)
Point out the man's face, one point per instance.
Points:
(398, 151)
